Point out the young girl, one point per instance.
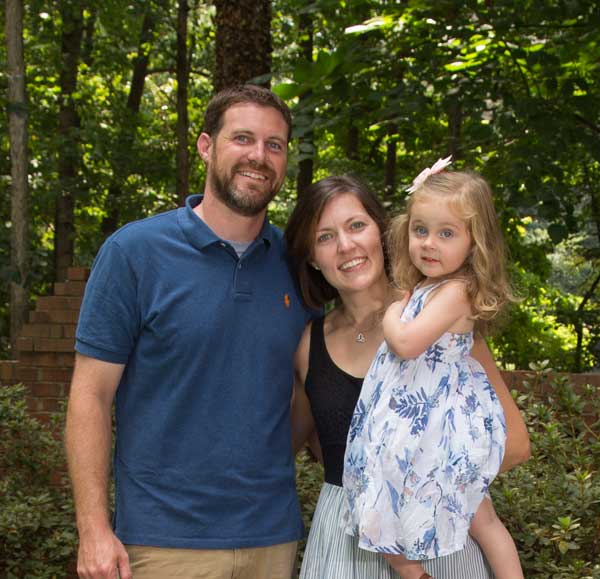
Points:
(427, 435)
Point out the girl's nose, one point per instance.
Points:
(428, 241)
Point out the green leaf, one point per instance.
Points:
(288, 90)
(461, 65)
(372, 24)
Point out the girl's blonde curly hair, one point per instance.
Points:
(484, 271)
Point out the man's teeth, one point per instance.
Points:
(352, 263)
(253, 175)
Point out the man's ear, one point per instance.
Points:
(204, 145)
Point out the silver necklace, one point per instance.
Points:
(361, 335)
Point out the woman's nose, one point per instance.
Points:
(344, 242)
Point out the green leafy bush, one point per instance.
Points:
(551, 504)
(37, 533)
(309, 479)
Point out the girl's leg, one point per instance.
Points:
(406, 568)
(495, 542)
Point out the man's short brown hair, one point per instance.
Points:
(242, 94)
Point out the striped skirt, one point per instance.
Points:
(332, 554)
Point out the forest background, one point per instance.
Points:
(105, 101)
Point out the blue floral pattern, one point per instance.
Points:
(426, 440)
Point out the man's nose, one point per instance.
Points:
(257, 152)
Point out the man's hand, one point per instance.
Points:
(100, 555)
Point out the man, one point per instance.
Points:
(190, 321)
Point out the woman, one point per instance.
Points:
(335, 240)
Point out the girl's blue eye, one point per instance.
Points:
(446, 234)
(420, 230)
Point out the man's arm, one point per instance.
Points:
(88, 441)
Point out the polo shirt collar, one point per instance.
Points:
(201, 235)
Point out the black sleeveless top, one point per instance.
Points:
(333, 395)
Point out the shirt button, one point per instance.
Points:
(240, 265)
(223, 244)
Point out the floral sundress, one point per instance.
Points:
(426, 440)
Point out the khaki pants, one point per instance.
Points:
(274, 562)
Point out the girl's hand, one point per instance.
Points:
(396, 309)
(392, 315)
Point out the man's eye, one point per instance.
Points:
(242, 139)
(275, 146)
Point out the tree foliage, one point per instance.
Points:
(378, 88)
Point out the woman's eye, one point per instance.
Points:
(324, 237)
(446, 234)
(358, 225)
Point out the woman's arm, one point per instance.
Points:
(518, 449)
(303, 424)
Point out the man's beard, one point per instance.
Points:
(247, 203)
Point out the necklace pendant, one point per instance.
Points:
(360, 338)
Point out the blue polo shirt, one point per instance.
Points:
(203, 455)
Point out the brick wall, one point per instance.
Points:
(44, 356)
(45, 349)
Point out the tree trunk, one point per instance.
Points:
(68, 127)
(455, 116)
(127, 134)
(306, 145)
(182, 153)
(579, 321)
(352, 142)
(390, 160)
(243, 42)
(87, 44)
(17, 128)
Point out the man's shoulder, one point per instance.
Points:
(276, 235)
(145, 229)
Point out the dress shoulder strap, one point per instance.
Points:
(425, 290)
(317, 343)
(421, 293)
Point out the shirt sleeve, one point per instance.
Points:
(109, 319)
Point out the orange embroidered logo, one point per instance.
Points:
(286, 301)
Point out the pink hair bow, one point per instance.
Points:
(437, 167)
